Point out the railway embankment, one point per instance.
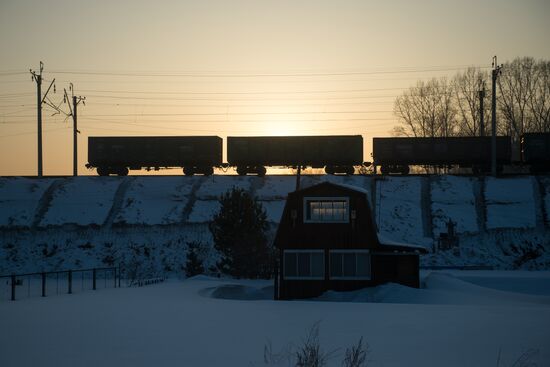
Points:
(49, 224)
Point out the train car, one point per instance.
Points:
(395, 155)
(117, 155)
(338, 154)
(535, 151)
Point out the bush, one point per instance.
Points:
(194, 263)
(239, 231)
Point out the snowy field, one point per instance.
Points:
(148, 201)
(457, 319)
(82, 201)
(399, 212)
(453, 198)
(510, 203)
(19, 200)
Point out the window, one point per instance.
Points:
(326, 210)
(349, 264)
(304, 264)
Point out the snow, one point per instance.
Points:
(222, 322)
(276, 187)
(19, 200)
(204, 211)
(456, 288)
(214, 186)
(274, 210)
(172, 211)
(546, 199)
(356, 188)
(453, 198)
(399, 213)
(510, 203)
(82, 201)
(88, 247)
(151, 201)
(386, 241)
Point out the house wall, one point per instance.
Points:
(385, 268)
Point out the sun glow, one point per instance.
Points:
(283, 128)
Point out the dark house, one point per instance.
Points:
(327, 240)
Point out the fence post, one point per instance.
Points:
(70, 280)
(13, 287)
(94, 278)
(43, 284)
(114, 276)
(119, 275)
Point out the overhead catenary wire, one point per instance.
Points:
(255, 75)
(32, 132)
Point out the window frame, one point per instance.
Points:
(308, 199)
(301, 251)
(347, 251)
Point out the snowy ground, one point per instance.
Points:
(399, 210)
(510, 203)
(458, 319)
(19, 200)
(453, 198)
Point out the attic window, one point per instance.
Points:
(326, 210)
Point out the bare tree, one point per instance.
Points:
(426, 110)
(539, 104)
(516, 89)
(466, 87)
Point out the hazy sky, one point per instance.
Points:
(238, 67)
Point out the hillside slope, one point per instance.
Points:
(56, 223)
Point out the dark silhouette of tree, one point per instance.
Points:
(524, 96)
(240, 236)
(442, 108)
(194, 262)
(466, 87)
(426, 110)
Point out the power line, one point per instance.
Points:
(7, 73)
(320, 104)
(16, 94)
(32, 132)
(248, 92)
(235, 99)
(252, 75)
(115, 121)
(247, 130)
(234, 113)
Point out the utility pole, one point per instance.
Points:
(39, 100)
(298, 176)
(73, 112)
(495, 73)
(481, 110)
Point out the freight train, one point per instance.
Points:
(337, 154)
(200, 154)
(396, 155)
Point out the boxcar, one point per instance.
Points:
(338, 154)
(535, 151)
(397, 154)
(116, 155)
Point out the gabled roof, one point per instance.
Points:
(384, 244)
(327, 183)
(389, 244)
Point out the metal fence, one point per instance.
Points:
(20, 286)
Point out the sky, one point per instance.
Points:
(241, 67)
